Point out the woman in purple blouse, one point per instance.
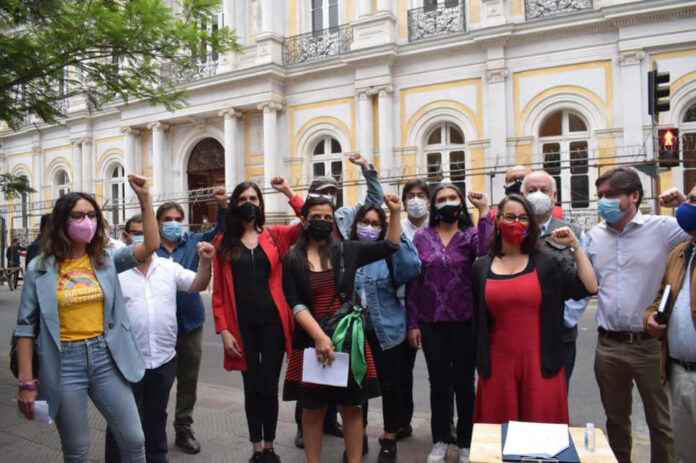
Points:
(440, 311)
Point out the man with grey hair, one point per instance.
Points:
(540, 190)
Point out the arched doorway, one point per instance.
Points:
(206, 169)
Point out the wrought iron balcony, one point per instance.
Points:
(317, 45)
(431, 22)
(200, 69)
(535, 9)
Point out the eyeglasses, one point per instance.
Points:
(416, 195)
(317, 195)
(510, 218)
(77, 216)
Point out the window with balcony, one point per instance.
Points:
(327, 160)
(324, 14)
(564, 141)
(445, 155)
(435, 18)
(61, 184)
(535, 9)
(204, 59)
(326, 39)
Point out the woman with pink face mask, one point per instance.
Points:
(72, 316)
(520, 343)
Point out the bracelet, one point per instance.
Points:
(29, 385)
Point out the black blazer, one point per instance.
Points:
(559, 281)
(356, 254)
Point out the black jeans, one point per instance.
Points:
(450, 353)
(264, 347)
(408, 360)
(388, 363)
(569, 351)
(152, 396)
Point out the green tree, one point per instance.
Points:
(100, 49)
(13, 186)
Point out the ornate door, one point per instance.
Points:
(206, 169)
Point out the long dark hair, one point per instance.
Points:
(362, 212)
(530, 243)
(464, 221)
(232, 227)
(297, 256)
(55, 239)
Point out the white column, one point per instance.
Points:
(268, 16)
(497, 129)
(87, 166)
(272, 164)
(37, 167)
(366, 124)
(365, 8)
(233, 174)
(384, 5)
(158, 154)
(631, 103)
(129, 167)
(386, 136)
(76, 162)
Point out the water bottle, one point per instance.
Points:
(590, 437)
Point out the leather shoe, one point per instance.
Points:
(299, 440)
(186, 442)
(334, 429)
(403, 433)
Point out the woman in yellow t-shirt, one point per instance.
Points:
(73, 317)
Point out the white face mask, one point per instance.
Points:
(541, 203)
(416, 207)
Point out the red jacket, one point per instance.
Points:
(224, 302)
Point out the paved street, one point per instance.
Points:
(219, 416)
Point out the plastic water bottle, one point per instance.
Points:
(590, 437)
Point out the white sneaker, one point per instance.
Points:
(439, 453)
(463, 455)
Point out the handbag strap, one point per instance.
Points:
(341, 270)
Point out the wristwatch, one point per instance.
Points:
(29, 385)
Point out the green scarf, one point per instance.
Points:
(353, 322)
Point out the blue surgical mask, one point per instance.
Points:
(686, 217)
(610, 210)
(172, 230)
(137, 239)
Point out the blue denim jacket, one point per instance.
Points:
(345, 216)
(386, 311)
(38, 307)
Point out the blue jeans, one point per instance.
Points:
(88, 369)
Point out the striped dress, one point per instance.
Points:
(323, 291)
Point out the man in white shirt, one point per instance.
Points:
(629, 251)
(150, 294)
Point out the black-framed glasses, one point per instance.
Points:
(510, 218)
(77, 216)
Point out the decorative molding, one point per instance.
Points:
(386, 90)
(535, 9)
(631, 57)
(381, 90)
(131, 131)
(230, 113)
(496, 75)
(270, 106)
(157, 126)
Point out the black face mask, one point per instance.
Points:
(513, 187)
(449, 213)
(320, 230)
(249, 211)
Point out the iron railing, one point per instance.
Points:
(431, 21)
(194, 71)
(535, 9)
(317, 45)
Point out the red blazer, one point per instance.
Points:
(224, 302)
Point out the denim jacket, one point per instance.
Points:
(38, 308)
(345, 216)
(386, 311)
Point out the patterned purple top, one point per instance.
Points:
(442, 292)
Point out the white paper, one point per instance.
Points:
(336, 374)
(543, 440)
(665, 298)
(40, 411)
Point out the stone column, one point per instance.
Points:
(37, 167)
(87, 166)
(158, 155)
(129, 167)
(75, 161)
(631, 104)
(384, 5)
(272, 163)
(233, 173)
(268, 16)
(365, 8)
(386, 136)
(496, 126)
(366, 124)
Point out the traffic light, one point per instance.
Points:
(669, 147)
(658, 92)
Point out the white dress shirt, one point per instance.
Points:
(151, 305)
(409, 229)
(629, 267)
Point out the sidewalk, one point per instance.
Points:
(220, 426)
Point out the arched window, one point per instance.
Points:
(688, 146)
(328, 160)
(61, 183)
(117, 193)
(445, 156)
(564, 141)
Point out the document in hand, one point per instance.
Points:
(40, 411)
(336, 374)
(540, 440)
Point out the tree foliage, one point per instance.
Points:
(13, 186)
(103, 50)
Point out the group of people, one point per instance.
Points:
(502, 297)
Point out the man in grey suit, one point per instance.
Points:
(540, 190)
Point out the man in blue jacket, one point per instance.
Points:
(181, 247)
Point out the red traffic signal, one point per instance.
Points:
(669, 147)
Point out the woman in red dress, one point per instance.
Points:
(518, 295)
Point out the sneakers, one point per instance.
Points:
(387, 451)
(402, 433)
(257, 457)
(439, 453)
(269, 456)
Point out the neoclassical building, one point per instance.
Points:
(456, 90)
